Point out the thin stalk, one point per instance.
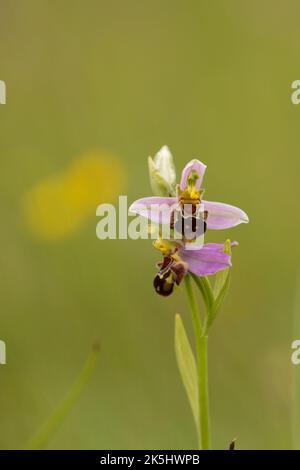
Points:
(201, 347)
(203, 393)
(48, 429)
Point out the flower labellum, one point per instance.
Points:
(171, 272)
(178, 261)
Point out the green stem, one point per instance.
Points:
(203, 393)
(44, 434)
(201, 346)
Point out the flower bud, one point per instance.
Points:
(162, 173)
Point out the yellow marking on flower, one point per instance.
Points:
(190, 195)
(58, 206)
(164, 246)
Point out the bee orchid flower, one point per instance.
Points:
(218, 215)
(178, 261)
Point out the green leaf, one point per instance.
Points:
(221, 276)
(187, 365)
(205, 288)
(221, 285)
(219, 299)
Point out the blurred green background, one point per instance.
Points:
(211, 80)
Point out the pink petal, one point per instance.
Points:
(221, 216)
(218, 246)
(206, 261)
(156, 209)
(195, 165)
(208, 246)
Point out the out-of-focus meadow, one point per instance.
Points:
(93, 88)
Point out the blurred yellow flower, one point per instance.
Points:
(58, 206)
